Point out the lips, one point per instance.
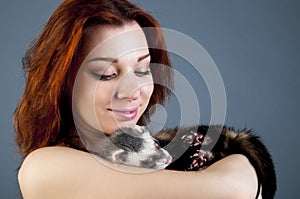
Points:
(126, 114)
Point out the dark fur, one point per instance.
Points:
(192, 149)
(195, 148)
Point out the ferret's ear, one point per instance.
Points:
(142, 129)
(139, 128)
(119, 156)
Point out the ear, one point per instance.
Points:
(119, 156)
(139, 128)
(142, 129)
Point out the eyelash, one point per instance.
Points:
(112, 76)
(106, 77)
(142, 73)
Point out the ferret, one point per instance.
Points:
(191, 148)
(134, 147)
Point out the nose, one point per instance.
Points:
(128, 88)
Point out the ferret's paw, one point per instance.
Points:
(189, 138)
(193, 138)
(198, 159)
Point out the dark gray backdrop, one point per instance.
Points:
(255, 44)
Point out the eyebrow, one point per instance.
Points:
(114, 60)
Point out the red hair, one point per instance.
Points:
(43, 116)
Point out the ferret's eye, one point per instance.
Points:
(147, 160)
(156, 143)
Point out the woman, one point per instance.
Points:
(107, 86)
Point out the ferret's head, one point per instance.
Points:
(136, 147)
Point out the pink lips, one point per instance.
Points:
(127, 114)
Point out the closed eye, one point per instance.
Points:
(142, 73)
(156, 143)
(149, 159)
(105, 77)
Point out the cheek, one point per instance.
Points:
(103, 99)
(83, 102)
(103, 96)
(147, 91)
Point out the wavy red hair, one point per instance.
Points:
(43, 116)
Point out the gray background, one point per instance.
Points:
(255, 45)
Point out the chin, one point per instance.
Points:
(109, 128)
(122, 124)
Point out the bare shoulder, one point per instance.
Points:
(50, 159)
(52, 172)
(55, 153)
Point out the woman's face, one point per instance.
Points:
(114, 83)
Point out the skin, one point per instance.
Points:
(114, 83)
(62, 172)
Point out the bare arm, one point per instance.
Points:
(59, 172)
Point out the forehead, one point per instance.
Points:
(115, 41)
